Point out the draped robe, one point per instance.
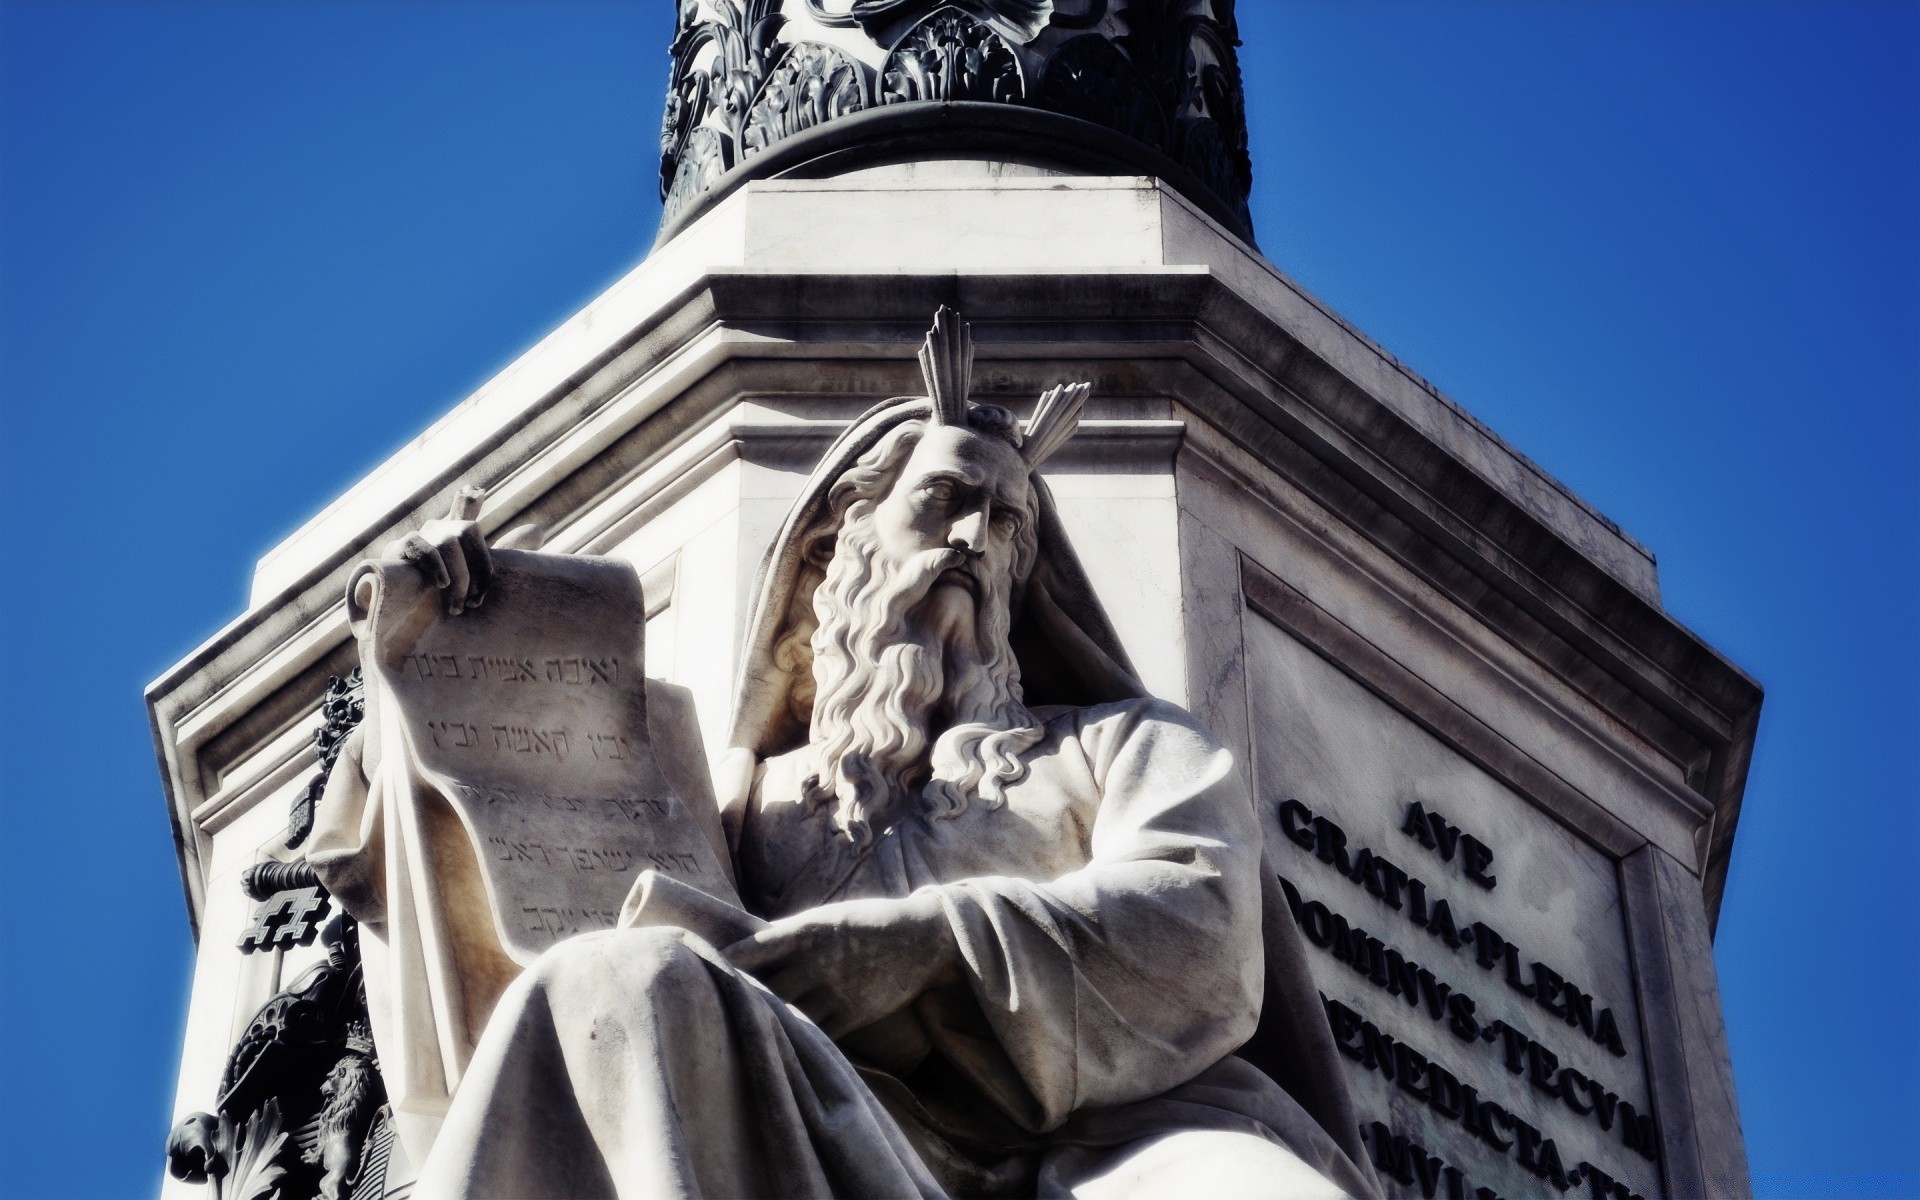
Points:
(1109, 918)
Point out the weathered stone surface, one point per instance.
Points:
(1248, 454)
(527, 715)
(1041, 938)
(1448, 916)
(501, 796)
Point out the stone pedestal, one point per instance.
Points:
(1500, 783)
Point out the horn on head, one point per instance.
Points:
(1055, 419)
(946, 359)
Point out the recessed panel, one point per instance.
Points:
(1471, 950)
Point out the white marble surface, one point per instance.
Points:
(931, 852)
(1322, 739)
(540, 424)
(933, 216)
(696, 504)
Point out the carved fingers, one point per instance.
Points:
(850, 964)
(451, 554)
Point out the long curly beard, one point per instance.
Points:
(887, 672)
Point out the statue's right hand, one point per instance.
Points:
(450, 554)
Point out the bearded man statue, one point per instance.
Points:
(1020, 939)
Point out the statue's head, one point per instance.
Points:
(956, 497)
(930, 534)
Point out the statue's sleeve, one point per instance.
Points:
(1127, 977)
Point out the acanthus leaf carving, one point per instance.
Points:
(719, 64)
(951, 56)
(257, 1168)
(702, 160)
(748, 74)
(811, 84)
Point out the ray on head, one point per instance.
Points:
(946, 359)
(946, 362)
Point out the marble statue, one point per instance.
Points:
(1007, 926)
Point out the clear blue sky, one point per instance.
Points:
(1671, 251)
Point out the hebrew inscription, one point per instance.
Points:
(1470, 951)
(527, 715)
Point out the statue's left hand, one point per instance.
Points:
(849, 964)
(450, 554)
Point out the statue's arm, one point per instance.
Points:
(850, 964)
(1111, 983)
(1134, 973)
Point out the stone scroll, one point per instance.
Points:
(527, 716)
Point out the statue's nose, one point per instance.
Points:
(969, 532)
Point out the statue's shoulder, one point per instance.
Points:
(1151, 752)
(1122, 720)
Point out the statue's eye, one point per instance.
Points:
(939, 491)
(1006, 522)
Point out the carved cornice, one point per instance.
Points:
(748, 75)
(1262, 363)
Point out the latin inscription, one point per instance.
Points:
(1470, 952)
(1427, 1079)
(1429, 911)
(1488, 1122)
(1442, 837)
(1400, 1158)
(1457, 1012)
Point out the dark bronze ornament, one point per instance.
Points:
(286, 919)
(720, 59)
(301, 1110)
(752, 77)
(812, 84)
(301, 1095)
(341, 709)
(951, 56)
(293, 905)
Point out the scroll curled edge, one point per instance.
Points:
(528, 717)
(510, 756)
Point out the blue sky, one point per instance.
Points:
(1670, 251)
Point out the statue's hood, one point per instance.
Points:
(1066, 647)
(1068, 654)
